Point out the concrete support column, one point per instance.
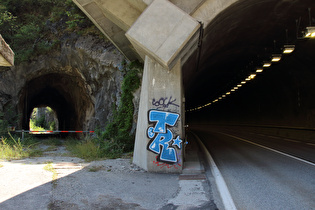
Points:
(160, 134)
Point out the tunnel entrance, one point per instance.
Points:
(66, 94)
(43, 119)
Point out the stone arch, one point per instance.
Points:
(64, 93)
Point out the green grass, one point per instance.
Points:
(91, 149)
(12, 149)
(86, 149)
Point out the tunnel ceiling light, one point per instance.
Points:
(259, 70)
(266, 64)
(287, 49)
(228, 93)
(250, 77)
(239, 85)
(243, 82)
(310, 32)
(235, 88)
(276, 58)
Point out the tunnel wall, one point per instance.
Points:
(283, 95)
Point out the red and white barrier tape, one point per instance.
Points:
(46, 131)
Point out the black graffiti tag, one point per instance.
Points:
(164, 102)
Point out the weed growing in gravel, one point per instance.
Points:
(49, 167)
(86, 149)
(10, 148)
(91, 149)
(96, 168)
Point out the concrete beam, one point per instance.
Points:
(6, 54)
(189, 6)
(121, 12)
(112, 26)
(164, 32)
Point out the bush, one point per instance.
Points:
(30, 26)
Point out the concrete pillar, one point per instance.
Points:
(162, 36)
(160, 134)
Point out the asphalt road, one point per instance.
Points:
(263, 172)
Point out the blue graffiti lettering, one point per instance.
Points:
(162, 141)
(162, 119)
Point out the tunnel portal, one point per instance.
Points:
(67, 95)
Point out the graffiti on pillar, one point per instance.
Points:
(162, 140)
(164, 102)
(167, 165)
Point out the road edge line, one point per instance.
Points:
(221, 185)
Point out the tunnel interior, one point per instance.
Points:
(65, 94)
(235, 43)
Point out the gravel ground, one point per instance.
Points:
(73, 183)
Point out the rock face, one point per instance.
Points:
(81, 81)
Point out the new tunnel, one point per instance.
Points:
(237, 42)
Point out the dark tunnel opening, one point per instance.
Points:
(235, 43)
(282, 95)
(65, 94)
(51, 97)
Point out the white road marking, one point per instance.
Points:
(292, 140)
(223, 190)
(282, 153)
(311, 144)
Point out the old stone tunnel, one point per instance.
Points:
(81, 83)
(63, 93)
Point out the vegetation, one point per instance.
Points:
(34, 27)
(10, 148)
(49, 167)
(117, 134)
(39, 122)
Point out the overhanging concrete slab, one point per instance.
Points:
(112, 26)
(164, 32)
(6, 54)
